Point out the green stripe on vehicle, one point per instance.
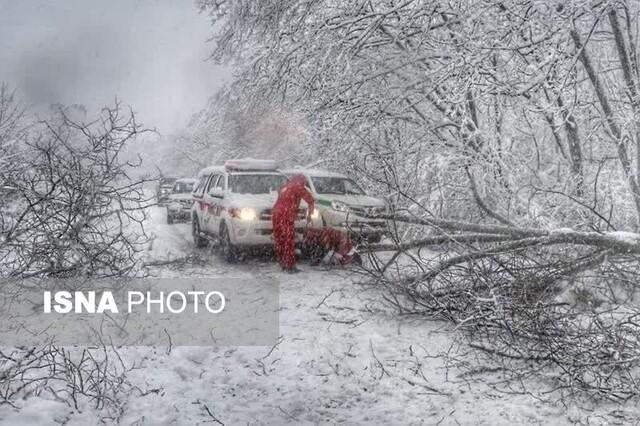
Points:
(322, 202)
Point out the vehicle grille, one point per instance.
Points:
(266, 214)
(362, 224)
(367, 211)
(299, 230)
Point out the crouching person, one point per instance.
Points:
(330, 247)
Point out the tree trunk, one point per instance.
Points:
(575, 148)
(615, 130)
(626, 65)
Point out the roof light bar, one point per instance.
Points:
(250, 164)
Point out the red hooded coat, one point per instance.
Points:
(283, 217)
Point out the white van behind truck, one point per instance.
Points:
(233, 203)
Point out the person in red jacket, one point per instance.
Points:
(329, 246)
(283, 217)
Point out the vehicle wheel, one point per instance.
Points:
(229, 252)
(198, 240)
(169, 218)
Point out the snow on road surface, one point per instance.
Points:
(343, 358)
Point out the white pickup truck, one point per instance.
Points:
(342, 204)
(233, 203)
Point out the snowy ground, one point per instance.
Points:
(342, 358)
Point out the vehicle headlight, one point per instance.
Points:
(339, 206)
(315, 214)
(247, 215)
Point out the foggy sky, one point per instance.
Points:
(149, 53)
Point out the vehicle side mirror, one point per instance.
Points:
(217, 192)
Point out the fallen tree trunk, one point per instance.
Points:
(529, 301)
(619, 242)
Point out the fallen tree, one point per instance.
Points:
(532, 302)
(620, 241)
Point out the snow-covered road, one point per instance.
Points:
(343, 357)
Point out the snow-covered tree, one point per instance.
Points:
(506, 129)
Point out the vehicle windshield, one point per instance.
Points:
(182, 187)
(167, 181)
(336, 185)
(256, 183)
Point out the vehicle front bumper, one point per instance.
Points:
(178, 211)
(258, 232)
(355, 226)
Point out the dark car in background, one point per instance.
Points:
(163, 188)
(179, 200)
